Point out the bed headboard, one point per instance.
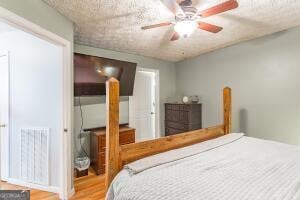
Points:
(117, 156)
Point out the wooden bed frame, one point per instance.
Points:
(117, 155)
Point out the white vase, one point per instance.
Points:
(185, 99)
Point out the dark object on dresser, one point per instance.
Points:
(181, 118)
(98, 145)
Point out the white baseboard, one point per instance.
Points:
(71, 193)
(67, 196)
(52, 189)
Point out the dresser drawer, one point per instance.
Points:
(127, 137)
(172, 131)
(101, 157)
(181, 126)
(101, 143)
(179, 107)
(177, 116)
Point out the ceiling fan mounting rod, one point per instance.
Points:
(186, 3)
(190, 13)
(189, 9)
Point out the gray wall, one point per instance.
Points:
(265, 77)
(167, 81)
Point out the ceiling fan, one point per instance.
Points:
(187, 17)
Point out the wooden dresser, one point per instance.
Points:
(182, 117)
(98, 146)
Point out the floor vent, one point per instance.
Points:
(35, 155)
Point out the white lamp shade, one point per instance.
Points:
(185, 28)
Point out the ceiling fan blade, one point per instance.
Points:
(156, 25)
(173, 6)
(228, 5)
(175, 36)
(209, 27)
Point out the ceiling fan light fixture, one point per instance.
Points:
(185, 28)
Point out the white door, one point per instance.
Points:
(4, 115)
(142, 105)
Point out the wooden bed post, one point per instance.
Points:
(227, 109)
(112, 131)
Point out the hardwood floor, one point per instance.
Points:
(90, 187)
(34, 194)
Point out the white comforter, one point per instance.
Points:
(233, 167)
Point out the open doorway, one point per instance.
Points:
(31, 111)
(144, 105)
(63, 162)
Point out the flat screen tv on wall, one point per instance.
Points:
(92, 72)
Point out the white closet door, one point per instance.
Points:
(4, 114)
(142, 106)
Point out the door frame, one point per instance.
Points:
(6, 151)
(157, 99)
(66, 189)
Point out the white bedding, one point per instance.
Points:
(224, 168)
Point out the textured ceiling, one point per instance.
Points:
(115, 25)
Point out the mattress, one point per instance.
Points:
(228, 168)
